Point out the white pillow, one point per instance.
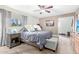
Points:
(30, 28)
(37, 27)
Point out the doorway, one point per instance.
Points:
(65, 25)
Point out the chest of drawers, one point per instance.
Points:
(75, 42)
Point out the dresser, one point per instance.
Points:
(75, 42)
(13, 39)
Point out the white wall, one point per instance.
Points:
(64, 24)
(53, 29)
(32, 20)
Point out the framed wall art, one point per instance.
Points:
(49, 22)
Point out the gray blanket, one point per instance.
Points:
(38, 37)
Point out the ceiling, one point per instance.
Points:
(56, 10)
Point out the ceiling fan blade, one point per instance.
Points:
(49, 7)
(47, 11)
(41, 6)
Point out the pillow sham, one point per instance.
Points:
(37, 28)
(30, 28)
(23, 29)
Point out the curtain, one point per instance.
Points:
(0, 28)
(7, 24)
(6, 15)
(3, 26)
(24, 20)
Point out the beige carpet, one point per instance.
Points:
(24, 49)
(64, 47)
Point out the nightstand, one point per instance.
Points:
(13, 39)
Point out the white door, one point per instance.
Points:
(0, 27)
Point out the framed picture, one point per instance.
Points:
(49, 22)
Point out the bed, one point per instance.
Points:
(36, 38)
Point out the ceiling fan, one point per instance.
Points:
(45, 8)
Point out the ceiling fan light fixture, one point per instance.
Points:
(45, 8)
